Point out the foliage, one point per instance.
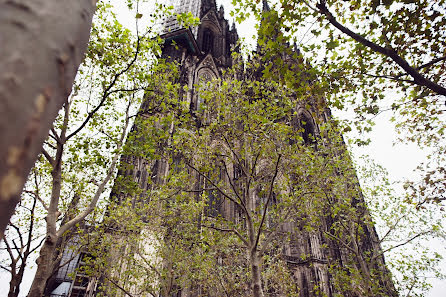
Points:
(406, 232)
(204, 199)
(211, 198)
(23, 237)
(71, 177)
(372, 57)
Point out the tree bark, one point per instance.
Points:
(42, 43)
(256, 277)
(14, 287)
(47, 254)
(45, 264)
(16, 280)
(48, 257)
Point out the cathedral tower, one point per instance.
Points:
(202, 51)
(321, 264)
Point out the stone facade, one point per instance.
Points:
(308, 254)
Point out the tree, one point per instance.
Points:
(366, 47)
(39, 66)
(406, 232)
(21, 240)
(368, 57)
(190, 168)
(80, 156)
(225, 189)
(373, 57)
(84, 146)
(245, 148)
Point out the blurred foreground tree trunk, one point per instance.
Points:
(42, 44)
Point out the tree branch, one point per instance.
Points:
(118, 286)
(214, 185)
(231, 231)
(17, 229)
(253, 169)
(5, 268)
(340, 240)
(107, 91)
(38, 245)
(242, 202)
(428, 64)
(8, 248)
(48, 157)
(390, 77)
(270, 194)
(419, 79)
(50, 145)
(54, 135)
(101, 186)
(148, 263)
(401, 244)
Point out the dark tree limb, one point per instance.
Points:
(230, 230)
(418, 78)
(428, 64)
(270, 195)
(108, 91)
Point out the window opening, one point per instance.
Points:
(215, 200)
(304, 125)
(203, 79)
(308, 130)
(208, 41)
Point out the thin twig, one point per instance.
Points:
(270, 194)
(231, 231)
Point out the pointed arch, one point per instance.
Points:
(210, 34)
(304, 123)
(203, 75)
(207, 44)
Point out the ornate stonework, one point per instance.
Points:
(308, 254)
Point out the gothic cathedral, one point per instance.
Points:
(281, 230)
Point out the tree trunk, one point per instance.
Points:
(47, 254)
(13, 288)
(255, 271)
(14, 284)
(16, 278)
(42, 43)
(45, 266)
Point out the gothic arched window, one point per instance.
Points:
(215, 200)
(208, 41)
(307, 129)
(305, 126)
(203, 78)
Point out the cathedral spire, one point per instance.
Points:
(265, 6)
(269, 27)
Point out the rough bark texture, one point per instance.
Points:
(256, 276)
(42, 44)
(45, 264)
